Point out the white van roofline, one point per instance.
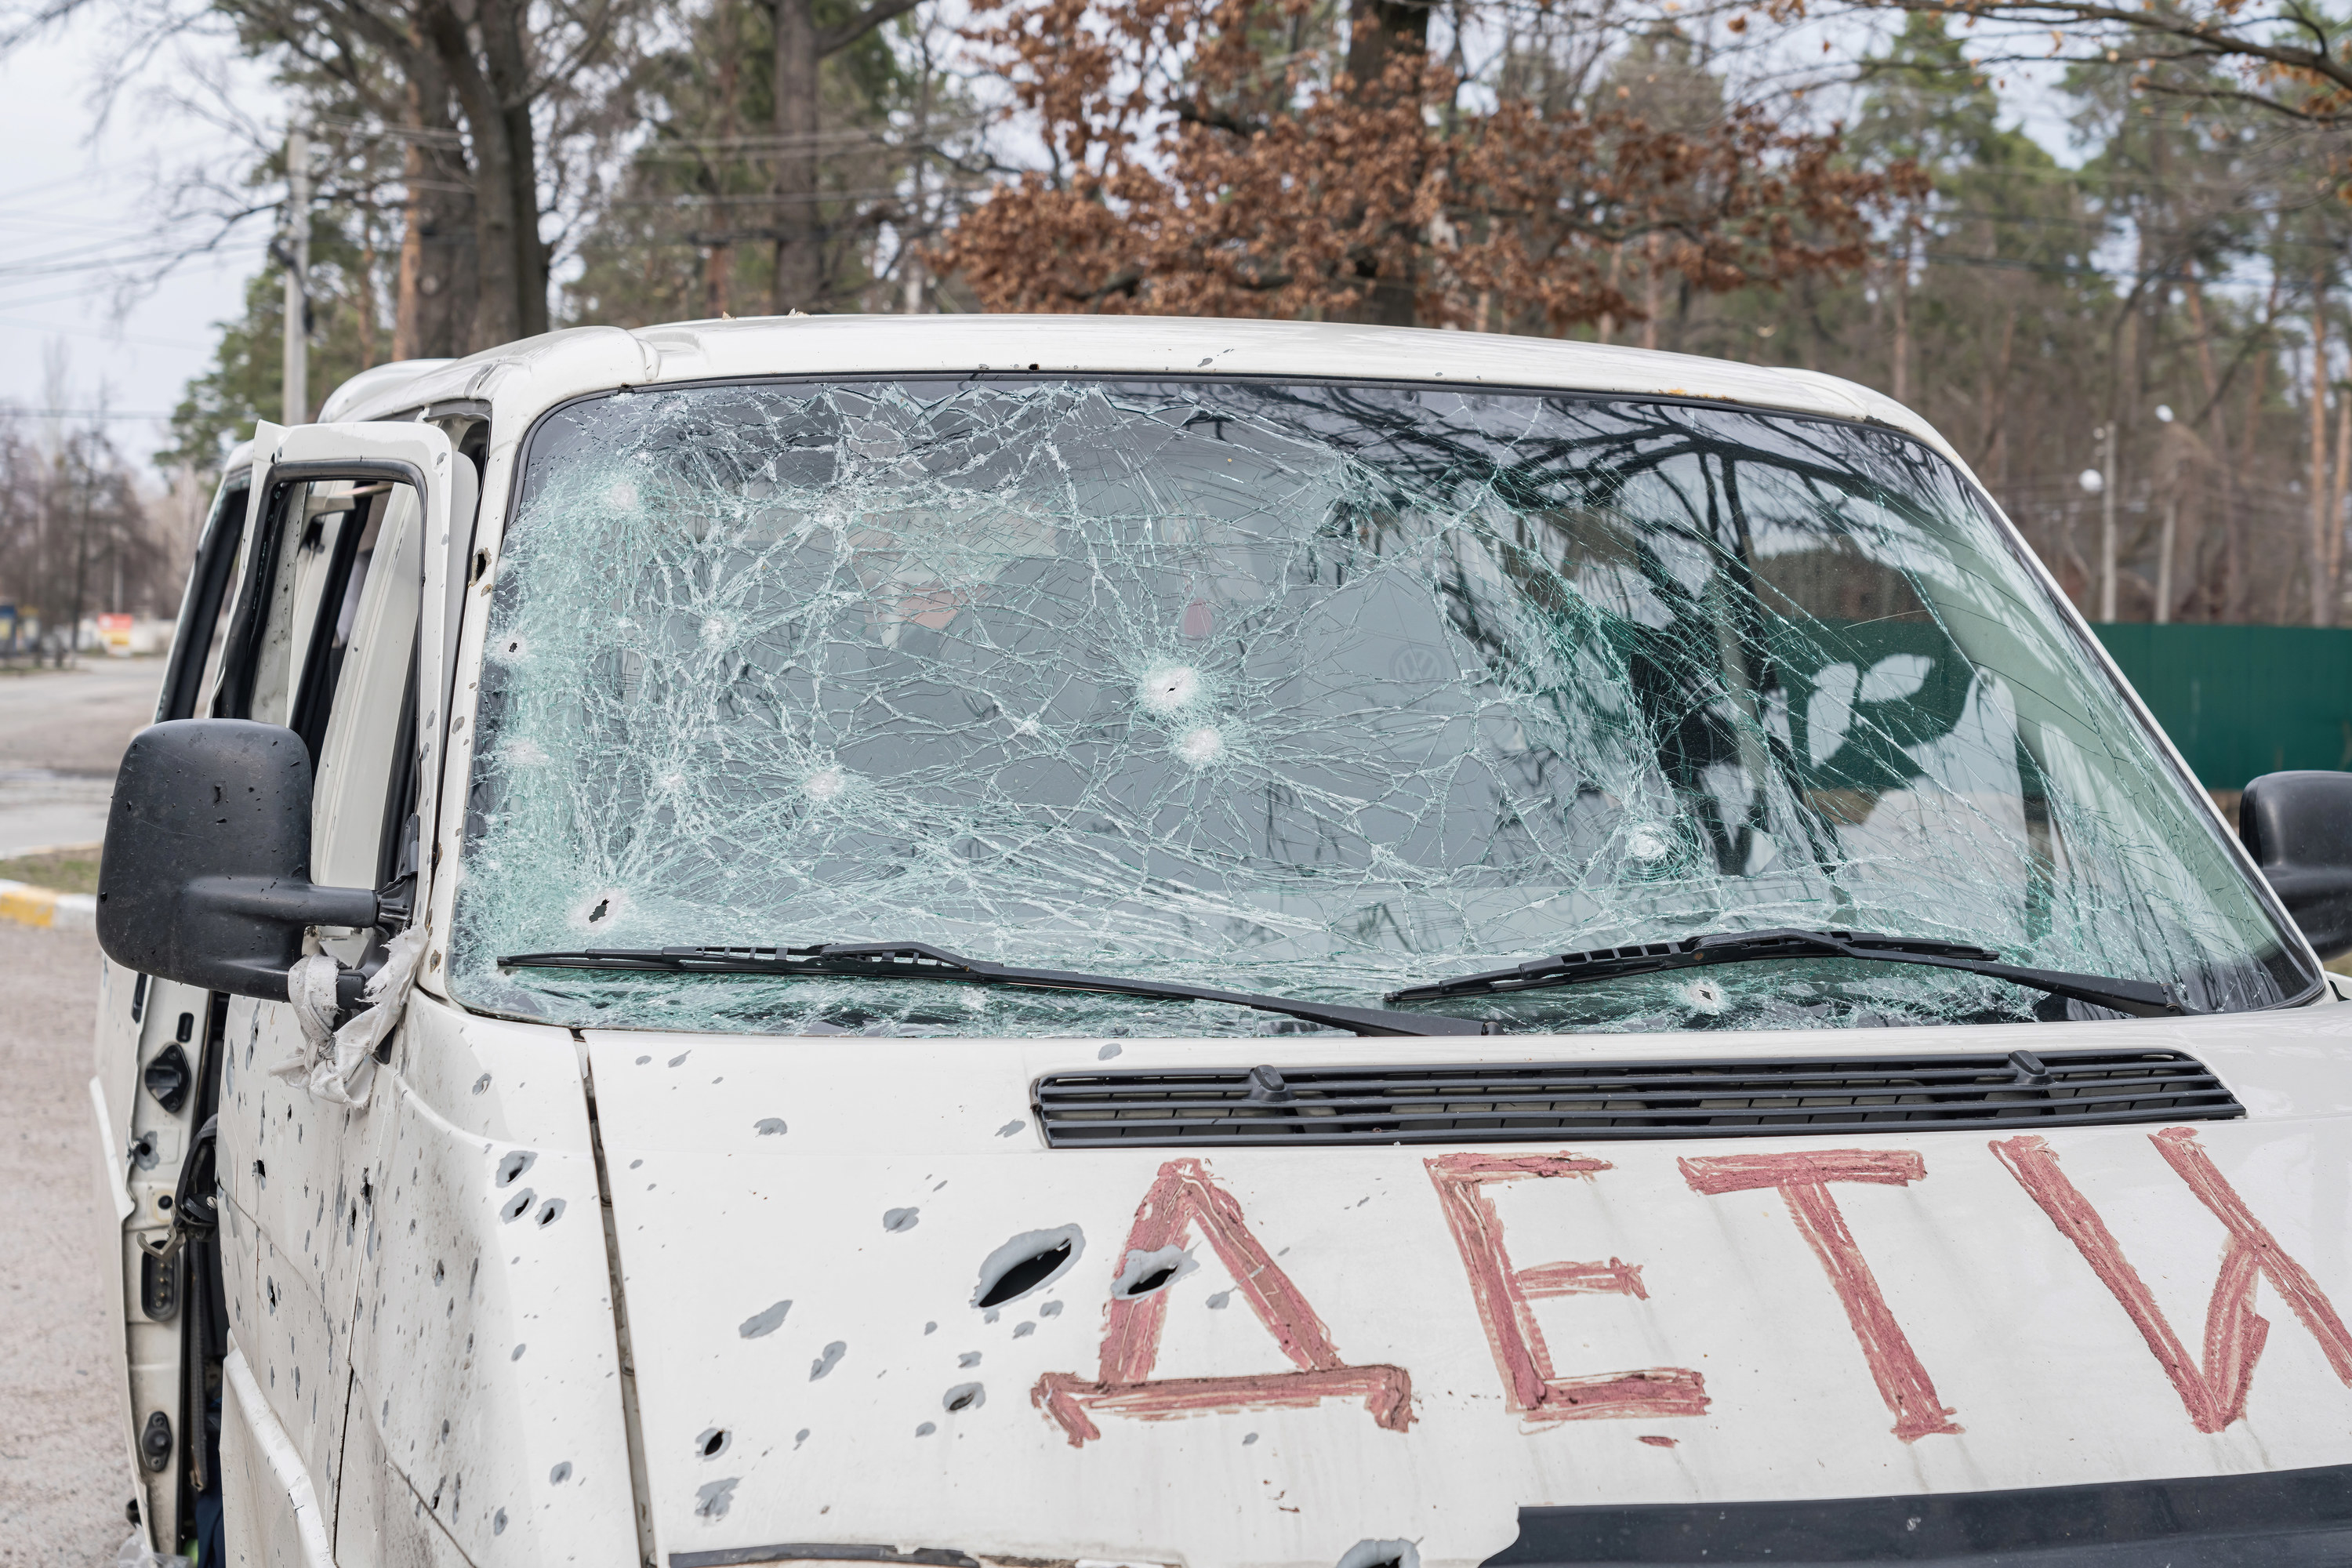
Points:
(538, 372)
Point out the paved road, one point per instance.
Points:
(64, 1475)
(61, 736)
(63, 1472)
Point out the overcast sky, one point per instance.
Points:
(76, 213)
(77, 202)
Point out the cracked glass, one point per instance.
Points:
(1320, 691)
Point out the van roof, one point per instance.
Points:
(535, 374)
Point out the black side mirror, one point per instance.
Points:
(2298, 829)
(206, 878)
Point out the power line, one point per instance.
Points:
(93, 332)
(82, 413)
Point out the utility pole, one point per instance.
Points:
(295, 404)
(2107, 522)
(81, 553)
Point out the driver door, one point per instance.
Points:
(323, 639)
(151, 1037)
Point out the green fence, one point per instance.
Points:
(2243, 700)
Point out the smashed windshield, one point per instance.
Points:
(1316, 690)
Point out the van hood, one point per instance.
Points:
(872, 1314)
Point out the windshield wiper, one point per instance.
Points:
(2140, 998)
(919, 960)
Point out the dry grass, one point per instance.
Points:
(69, 870)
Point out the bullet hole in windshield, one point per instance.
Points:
(1026, 1263)
(598, 912)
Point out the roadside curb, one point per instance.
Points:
(28, 905)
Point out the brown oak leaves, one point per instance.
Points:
(1253, 158)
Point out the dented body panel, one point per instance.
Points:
(560, 1291)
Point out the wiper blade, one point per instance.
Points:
(920, 961)
(2140, 998)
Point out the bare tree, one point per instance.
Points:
(482, 94)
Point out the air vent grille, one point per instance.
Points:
(1486, 1103)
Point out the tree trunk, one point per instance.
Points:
(511, 263)
(2220, 443)
(800, 265)
(2241, 584)
(1378, 31)
(81, 562)
(910, 261)
(718, 265)
(1899, 301)
(1993, 416)
(363, 302)
(1651, 303)
(1605, 328)
(2335, 502)
(1382, 33)
(2322, 581)
(501, 24)
(433, 312)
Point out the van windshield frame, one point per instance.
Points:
(738, 629)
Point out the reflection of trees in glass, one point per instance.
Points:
(1327, 686)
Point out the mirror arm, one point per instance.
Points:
(284, 902)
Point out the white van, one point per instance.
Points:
(1029, 941)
